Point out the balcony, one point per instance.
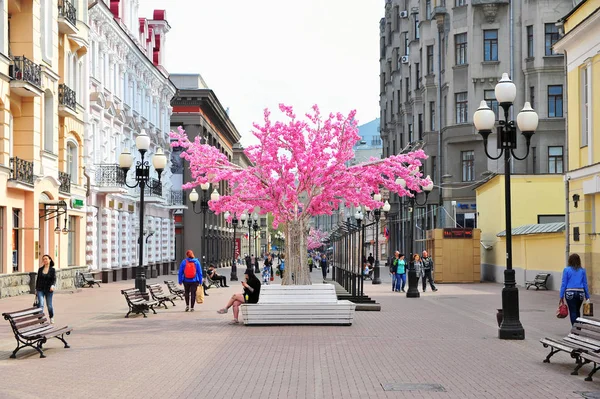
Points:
(110, 178)
(177, 199)
(67, 17)
(65, 182)
(26, 77)
(67, 101)
(21, 171)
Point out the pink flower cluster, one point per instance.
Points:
(300, 168)
(315, 238)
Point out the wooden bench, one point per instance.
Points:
(160, 296)
(539, 281)
(209, 282)
(298, 304)
(370, 275)
(583, 338)
(174, 289)
(137, 303)
(89, 280)
(32, 328)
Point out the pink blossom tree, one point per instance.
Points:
(315, 238)
(300, 169)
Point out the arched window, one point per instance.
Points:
(10, 136)
(72, 164)
(48, 121)
(46, 36)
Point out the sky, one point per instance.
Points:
(257, 54)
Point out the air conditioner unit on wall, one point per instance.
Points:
(403, 14)
(404, 59)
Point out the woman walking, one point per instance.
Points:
(190, 274)
(574, 287)
(267, 268)
(250, 295)
(418, 267)
(400, 273)
(45, 284)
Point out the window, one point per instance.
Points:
(430, 60)
(15, 239)
(428, 9)
(407, 91)
(420, 126)
(406, 45)
(72, 241)
(532, 96)
(490, 98)
(460, 3)
(534, 159)
(551, 31)
(417, 32)
(417, 76)
(585, 107)
(444, 112)
(555, 101)
(468, 165)
(48, 121)
(410, 133)
(555, 159)
(443, 53)
(460, 48)
(46, 30)
(490, 45)
(530, 41)
(72, 161)
(432, 115)
(433, 167)
(375, 140)
(543, 219)
(461, 107)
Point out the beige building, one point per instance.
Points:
(42, 55)
(438, 59)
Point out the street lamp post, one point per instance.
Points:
(377, 216)
(194, 197)
(243, 219)
(256, 228)
(413, 279)
(142, 178)
(234, 223)
(527, 120)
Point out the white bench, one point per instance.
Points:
(298, 304)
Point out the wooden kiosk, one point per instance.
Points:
(456, 254)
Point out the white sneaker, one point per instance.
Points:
(52, 320)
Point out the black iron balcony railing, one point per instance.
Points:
(156, 190)
(66, 96)
(177, 197)
(67, 11)
(26, 70)
(22, 170)
(65, 182)
(109, 176)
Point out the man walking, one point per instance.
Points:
(428, 271)
(324, 267)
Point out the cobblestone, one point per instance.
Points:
(447, 338)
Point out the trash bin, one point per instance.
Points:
(32, 279)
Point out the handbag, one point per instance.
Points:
(588, 309)
(200, 294)
(272, 278)
(563, 311)
(36, 303)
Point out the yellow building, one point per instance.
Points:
(42, 102)
(538, 219)
(581, 47)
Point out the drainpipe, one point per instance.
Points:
(566, 162)
(440, 162)
(88, 191)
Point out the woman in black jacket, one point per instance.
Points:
(250, 295)
(45, 284)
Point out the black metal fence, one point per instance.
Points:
(109, 175)
(67, 11)
(65, 182)
(21, 170)
(155, 189)
(66, 96)
(26, 70)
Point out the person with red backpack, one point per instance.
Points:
(190, 274)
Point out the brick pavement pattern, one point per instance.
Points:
(446, 338)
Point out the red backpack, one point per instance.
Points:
(190, 269)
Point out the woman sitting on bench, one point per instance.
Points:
(250, 295)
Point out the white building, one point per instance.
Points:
(129, 90)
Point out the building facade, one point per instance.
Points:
(129, 92)
(438, 59)
(582, 48)
(43, 49)
(198, 111)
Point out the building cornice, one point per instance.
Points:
(584, 28)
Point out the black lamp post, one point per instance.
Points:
(413, 279)
(256, 228)
(142, 178)
(377, 216)
(194, 197)
(484, 120)
(234, 223)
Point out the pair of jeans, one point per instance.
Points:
(400, 281)
(190, 293)
(574, 300)
(427, 276)
(394, 278)
(48, 295)
(324, 271)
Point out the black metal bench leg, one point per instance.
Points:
(14, 354)
(172, 302)
(580, 364)
(589, 377)
(61, 338)
(152, 308)
(128, 313)
(552, 352)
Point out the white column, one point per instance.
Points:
(149, 247)
(172, 239)
(105, 240)
(590, 111)
(133, 237)
(91, 238)
(125, 247)
(165, 239)
(114, 239)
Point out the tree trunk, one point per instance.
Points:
(295, 254)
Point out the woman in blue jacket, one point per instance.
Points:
(574, 287)
(190, 274)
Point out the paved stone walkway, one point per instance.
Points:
(446, 338)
